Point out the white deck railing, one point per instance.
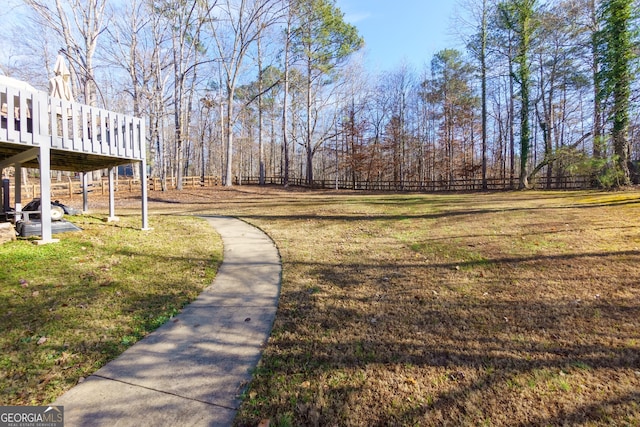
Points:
(34, 118)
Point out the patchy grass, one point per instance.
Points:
(69, 307)
(457, 309)
(483, 309)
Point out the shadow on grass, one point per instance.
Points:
(432, 215)
(510, 357)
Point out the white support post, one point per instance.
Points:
(143, 194)
(45, 195)
(112, 201)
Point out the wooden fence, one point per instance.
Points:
(493, 184)
(71, 186)
(155, 184)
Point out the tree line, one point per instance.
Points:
(277, 88)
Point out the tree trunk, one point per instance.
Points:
(285, 100)
(512, 137)
(525, 13)
(308, 143)
(229, 134)
(483, 68)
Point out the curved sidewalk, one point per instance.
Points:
(192, 370)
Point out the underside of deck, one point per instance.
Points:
(64, 160)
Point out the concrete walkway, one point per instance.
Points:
(192, 370)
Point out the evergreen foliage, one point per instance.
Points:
(615, 43)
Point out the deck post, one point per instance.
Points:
(6, 202)
(143, 194)
(141, 151)
(45, 195)
(85, 191)
(17, 196)
(112, 199)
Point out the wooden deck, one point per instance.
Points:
(48, 133)
(81, 138)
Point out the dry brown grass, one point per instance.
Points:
(460, 309)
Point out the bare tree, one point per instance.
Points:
(131, 48)
(268, 79)
(239, 25)
(323, 40)
(79, 25)
(185, 20)
(288, 35)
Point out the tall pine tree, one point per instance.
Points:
(323, 40)
(616, 51)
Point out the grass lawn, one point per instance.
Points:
(69, 307)
(455, 309)
(497, 309)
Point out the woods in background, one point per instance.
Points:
(542, 90)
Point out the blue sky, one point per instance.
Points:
(401, 30)
(394, 30)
